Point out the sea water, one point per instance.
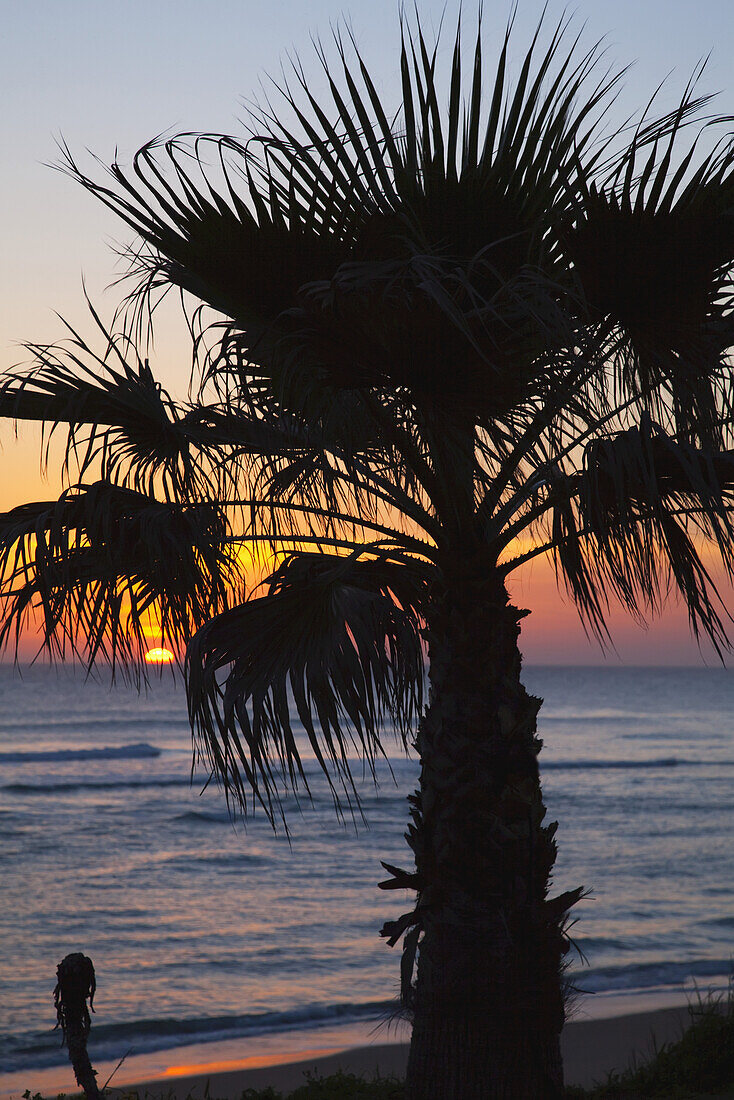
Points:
(203, 930)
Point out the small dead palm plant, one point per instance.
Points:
(75, 985)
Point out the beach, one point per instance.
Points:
(591, 1049)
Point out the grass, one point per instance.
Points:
(700, 1064)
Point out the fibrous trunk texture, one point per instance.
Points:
(487, 1003)
(75, 983)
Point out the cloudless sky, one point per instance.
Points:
(107, 75)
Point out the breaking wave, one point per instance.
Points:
(110, 752)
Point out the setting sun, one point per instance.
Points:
(159, 657)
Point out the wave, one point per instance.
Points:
(233, 862)
(203, 817)
(103, 722)
(194, 816)
(95, 785)
(721, 922)
(646, 976)
(599, 716)
(110, 752)
(657, 762)
(38, 1050)
(613, 716)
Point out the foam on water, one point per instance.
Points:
(110, 752)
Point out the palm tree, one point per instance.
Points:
(429, 348)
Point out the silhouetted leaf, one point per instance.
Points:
(103, 564)
(336, 642)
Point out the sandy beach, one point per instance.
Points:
(591, 1048)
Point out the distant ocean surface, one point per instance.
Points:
(201, 930)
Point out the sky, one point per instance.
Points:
(107, 76)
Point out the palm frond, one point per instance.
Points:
(336, 642)
(103, 564)
(123, 426)
(119, 418)
(634, 524)
(653, 245)
(451, 271)
(247, 257)
(369, 256)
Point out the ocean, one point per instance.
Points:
(204, 930)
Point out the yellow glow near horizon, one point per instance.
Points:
(159, 656)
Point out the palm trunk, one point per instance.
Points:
(487, 1004)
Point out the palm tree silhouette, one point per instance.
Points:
(429, 348)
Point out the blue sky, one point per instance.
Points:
(110, 74)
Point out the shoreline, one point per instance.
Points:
(591, 1048)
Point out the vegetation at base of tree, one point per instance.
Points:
(700, 1063)
(337, 1086)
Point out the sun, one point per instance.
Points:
(159, 657)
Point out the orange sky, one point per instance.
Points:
(552, 634)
